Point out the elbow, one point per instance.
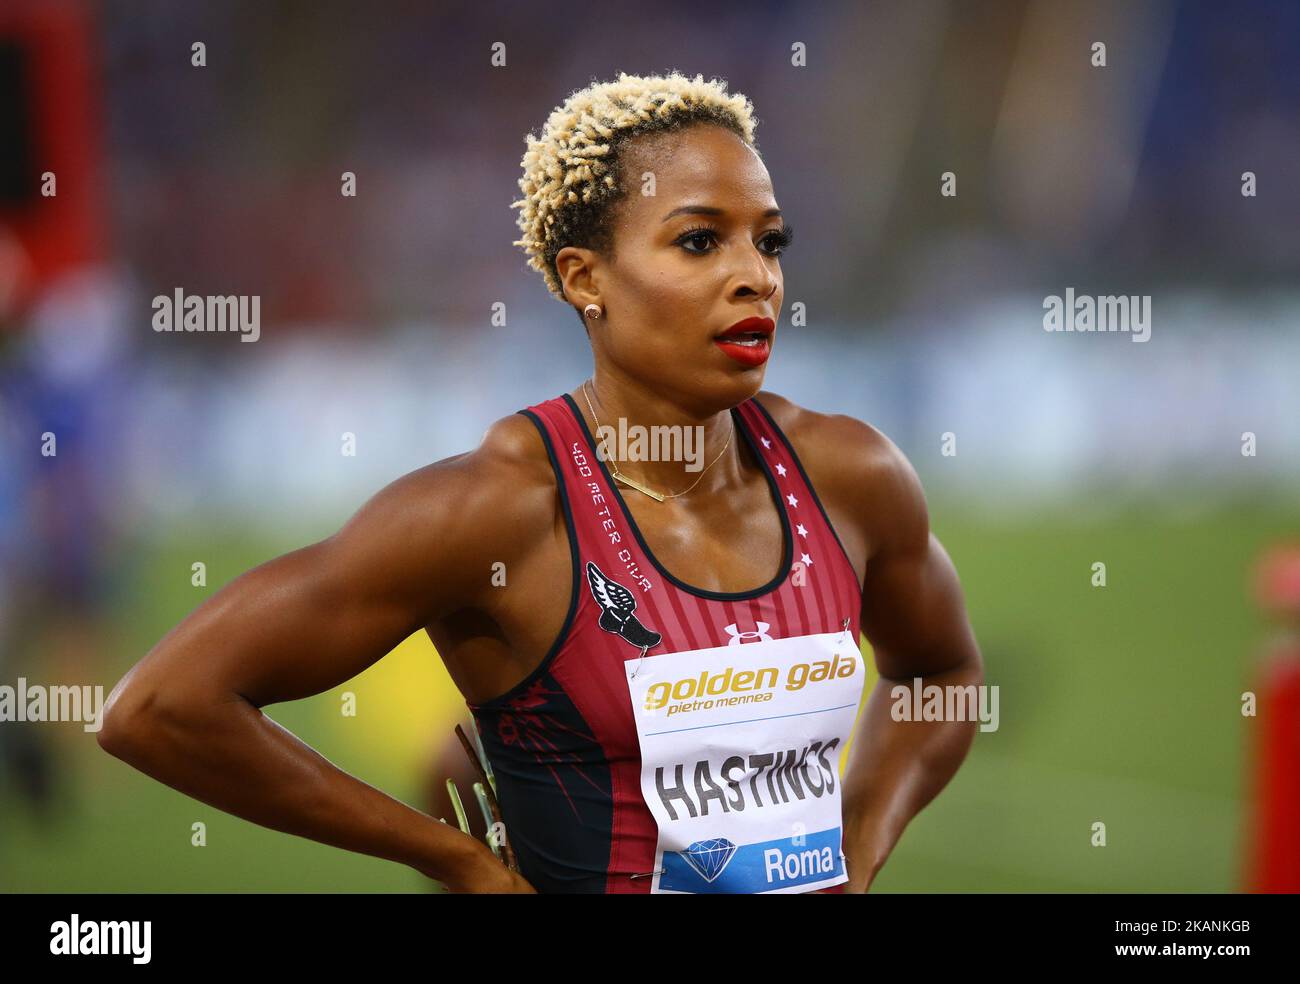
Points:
(124, 721)
(141, 720)
(138, 719)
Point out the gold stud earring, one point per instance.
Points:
(592, 311)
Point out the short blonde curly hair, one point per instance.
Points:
(571, 172)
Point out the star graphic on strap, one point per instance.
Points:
(801, 531)
(791, 499)
(766, 443)
(806, 559)
(780, 469)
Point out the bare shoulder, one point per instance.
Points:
(850, 444)
(513, 446)
(425, 531)
(857, 464)
(509, 466)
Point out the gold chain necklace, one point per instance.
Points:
(632, 483)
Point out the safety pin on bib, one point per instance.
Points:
(637, 669)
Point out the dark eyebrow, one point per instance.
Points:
(710, 210)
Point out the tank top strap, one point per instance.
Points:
(815, 536)
(603, 535)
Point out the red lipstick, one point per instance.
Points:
(749, 342)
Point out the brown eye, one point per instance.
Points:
(778, 240)
(701, 236)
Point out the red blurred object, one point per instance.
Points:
(51, 122)
(1277, 581)
(1274, 854)
(1275, 842)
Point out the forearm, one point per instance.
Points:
(894, 769)
(233, 757)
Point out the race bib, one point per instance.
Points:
(740, 751)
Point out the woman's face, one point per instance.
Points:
(690, 261)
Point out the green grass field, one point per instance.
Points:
(1118, 704)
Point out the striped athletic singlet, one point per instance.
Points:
(567, 744)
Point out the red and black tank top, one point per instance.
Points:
(563, 743)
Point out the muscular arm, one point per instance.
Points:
(189, 713)
(914, 617)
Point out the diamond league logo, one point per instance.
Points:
(709, 857)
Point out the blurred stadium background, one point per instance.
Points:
(1119, 704)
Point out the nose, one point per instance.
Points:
(758, 276)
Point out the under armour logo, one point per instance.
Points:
(738, 637)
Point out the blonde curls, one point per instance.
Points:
(571, 170)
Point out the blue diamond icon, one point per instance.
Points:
(709, 857)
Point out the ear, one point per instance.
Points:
(578, 270)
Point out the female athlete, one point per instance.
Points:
(661, 651)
